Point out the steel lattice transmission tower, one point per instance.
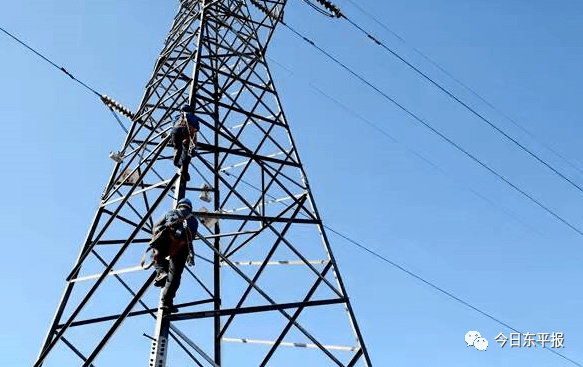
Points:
(266, 290)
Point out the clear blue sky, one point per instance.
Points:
(457, 226)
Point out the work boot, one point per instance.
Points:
(160, 279)
(176, 158)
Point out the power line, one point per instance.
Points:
(50, 62)
(465, 105)
(435, 131)
(107, 101)
(466, 87)
(316, 8)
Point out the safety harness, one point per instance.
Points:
(166, 235)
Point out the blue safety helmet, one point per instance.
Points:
(186, 108)
(185, 202)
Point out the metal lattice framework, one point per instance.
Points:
(266, 289)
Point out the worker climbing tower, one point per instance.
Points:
(265, 289)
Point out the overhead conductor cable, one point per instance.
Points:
(108, 101)
(338, 14)
(469, 89)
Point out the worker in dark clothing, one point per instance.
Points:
(184, 133)
(171, 257)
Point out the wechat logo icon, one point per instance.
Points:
(474, 338)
